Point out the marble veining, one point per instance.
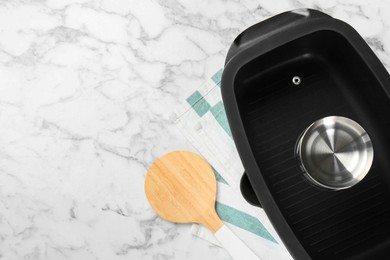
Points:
(87, 88)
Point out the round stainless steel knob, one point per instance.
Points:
(335, 152)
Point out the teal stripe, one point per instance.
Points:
(219, 177)
(217, 77)
(243, 220)
(198, 103)
(219, 113)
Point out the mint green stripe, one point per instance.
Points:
(219, 177)
(217, 77)
(243, 220)
(198, 103)
(219, 113)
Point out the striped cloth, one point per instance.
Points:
(202, 120)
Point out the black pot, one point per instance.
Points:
(339, 75)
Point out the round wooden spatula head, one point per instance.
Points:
(181, 188)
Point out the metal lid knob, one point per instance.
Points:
(335, 152)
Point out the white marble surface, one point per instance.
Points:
(86, 92)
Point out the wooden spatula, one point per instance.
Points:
(181, 188)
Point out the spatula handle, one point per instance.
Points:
(235, 247)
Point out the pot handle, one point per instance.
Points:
(247, 191)
(271, 26)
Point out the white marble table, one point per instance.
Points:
(86, 92)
